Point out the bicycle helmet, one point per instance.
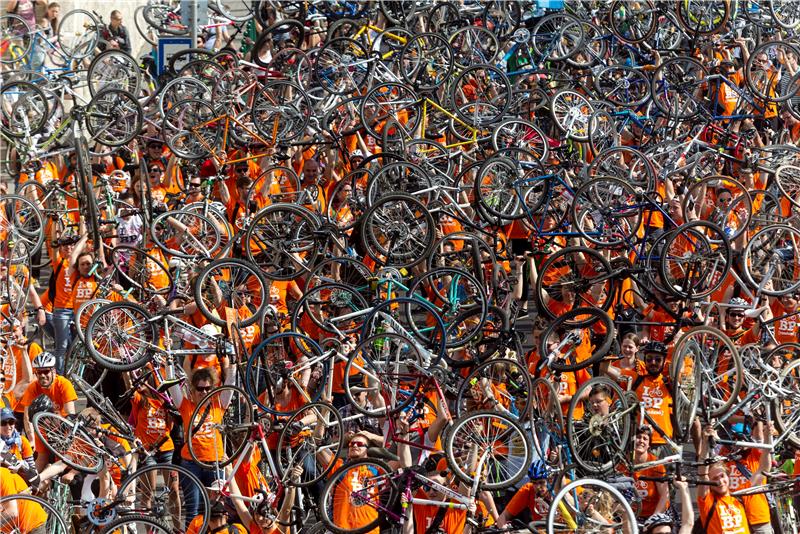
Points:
(654, 347)
(656, 520)
(44, 360)
(40, 404)
(538, 470)
(737, 302)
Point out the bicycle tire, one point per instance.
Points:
(141, 274)
(419, 67)
(548, 37)
(295, 446)
(277, 369)
(142, 26)
(629, 164)
(390, 238)
(583, 269)
(685, 396)
(138, 523)
(390, 375)
(476, 113)
(55, 523)
(547, 421)
(609, 206)
(763, 82)
(20, 219)
(187, 235)
(323, 305)
(279, 119)
(787, 178)
(508, 379)
(114, 69)
(77, 448)
(701, 25)
(676, 78)
(460, 439)
(85, 43)
(712, 346)
(619, 12)
(125, 114)
(165, 19)
(27, 114)
(282, 241)
(380, 478)
(579, 318)
(232, 295)
(770, 245)
(785, 413)
(682, 256)
(103, 353)
(233, 428)
(558, 505)
(159, 503)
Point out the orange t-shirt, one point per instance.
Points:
(30, 514)
(454, 521)
(729, 517)
(657, 400)
(756, 506)
(206, 440)
(349, 512)
(648, 489)
(785, 329)
(526, 498)
(152, 423)
(65, 296)
(83, 291)
(61, 391)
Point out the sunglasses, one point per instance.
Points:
(204, 389)
(736, 314)
(194, 185)
(8, 422)
(358, 444)
(241, 169)
(44, 372)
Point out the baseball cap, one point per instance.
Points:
(7, 415)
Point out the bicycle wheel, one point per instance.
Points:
(382, 375)
(103, 405)
(578, 339)
(343, 270)
(787, 177)
(138, 524)
(286, 33)
(15, 38)
(69, 441)
(719, 376)
(30, 510)
(632, 22)
(331, 307)
(342, 66)
(142, 270)
(78, 34)
(24, 109)
(581, 271)
(426, 61)
(231, 283)
(720, 200)
(513, 133)
(547, 421)
(480, 95)
(685, 375)
(162, 492)
(590, 505)
(763, 71)
(219, 427)
(180, 89)
(281, 111)
(281, 241)
(365, 489)
(675, 87)
(497, 442)
(79, 362)
(186, 234)
(398, 231)
(598, 434)
(121, 336)
(114, 117)
(695, 260)
(285, 372)
(625, 163)
(703, 17)
(571, 112)
(410, 317)
(497, 188)
(623, 86)
(557, 36)
(770, 260)
(114, 69)
(453, 292)
(390, 100)
(189, 129)
(607, 211)
(502, 385)
(315, 428)
(787, 409)
(400, 178)
(21, 220)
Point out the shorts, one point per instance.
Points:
(161, 457)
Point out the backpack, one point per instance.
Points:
(51, 285)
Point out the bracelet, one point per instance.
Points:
(40, 308)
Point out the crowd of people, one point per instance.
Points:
(402, 266)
